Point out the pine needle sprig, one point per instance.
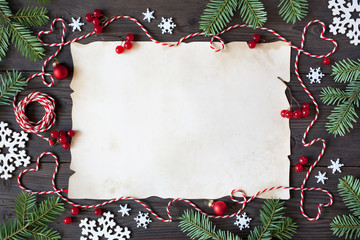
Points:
(292, 10)
(333, 96)
(32, 221)
(11, 84)
(349, 191)
(346, 70)
(253, 12)
(198, 226)
(346, 225)
(4, 41)
(40, 1)
(286, 230)
(31, 16)
(217, 14)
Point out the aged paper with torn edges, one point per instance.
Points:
(179, 122)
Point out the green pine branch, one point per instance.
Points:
(273, 225)
(349, 191)
(4, 41)
(217, 14)
(333, 96)
(253, 12)
(346, 225)
(32, 221)
(346, 70)
(31, 16)
(292, 10)
(11, 84)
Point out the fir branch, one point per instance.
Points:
(40, 1)
(217, 14)
(349, 191)
(198, 226)
(286, 230)
(23, 205)
(292, 10)
(333, 96)
(47, 211)
(253, 12)
(346, 70)
(4, 41)
(259, 232)
(44, 233)
(347, 225)
(343, 116)
(31, 16)
(11, 84)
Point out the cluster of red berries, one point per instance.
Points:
(95, 19)
(127, 45)
(302, 161)
(255, 39)
(75, 211)
(297, 114)
(61, 137)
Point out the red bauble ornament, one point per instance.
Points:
(97, 211)
(67, 220)
(60, 71)
(74, 210)
(219, 207)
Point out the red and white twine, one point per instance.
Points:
(49, 119)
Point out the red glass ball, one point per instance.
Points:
(97, 211)
(256, 37)
(326, 61)
(303, 160)
(298, 167)
(219, 207)
(67, 220)
(60, 71)
(74, 210)
(252, 44)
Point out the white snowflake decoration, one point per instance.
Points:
(167, 25)
(315, 75)
(124, 210)
(148, 15)
(142, 219)
(321, 177)
(76, 24)
(11, 156)
(106, 228)
(346, 19)
(242, 221)
(336, 166)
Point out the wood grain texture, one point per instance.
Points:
(186, 14)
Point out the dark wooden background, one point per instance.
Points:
(186, 15)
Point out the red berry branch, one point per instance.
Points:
(61, 137)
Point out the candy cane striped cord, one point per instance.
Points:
(49, 118)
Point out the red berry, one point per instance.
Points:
(97, 211)
(326, 61)
(128, 45)
(283, 112)
(289, 114)
(66, 145)
(88, 17)
(298, 167)
(219, 207)
(303, 160)
(119, 49)
(67, 220)
(130, 37)
(297, 114)
(305, 113)
(62, 133)
(74, 210)
(62, 139)
(54, 134)
(98, 29)
(305, 106)
(96, 22)
(256, 37)
(252, 44)
(97, 13)
(70, 133)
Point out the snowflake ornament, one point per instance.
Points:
(76, 24)
(11, 156)
(242, 221)
(104, 227)
(124, 210)
(321, 177)
(148, 15)
(346, 19)
(336, 166)
(315, 75)
(167, 25)
(142, 219)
